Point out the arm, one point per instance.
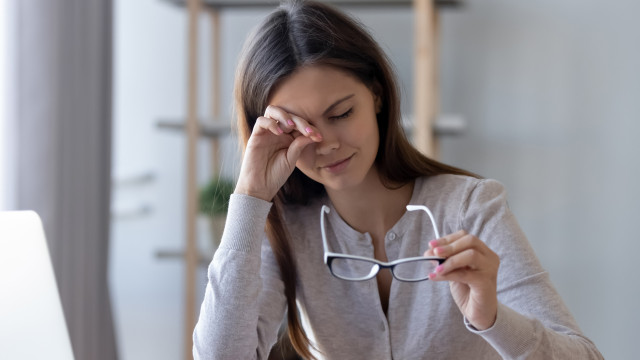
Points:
(514, 307)
(244, 300)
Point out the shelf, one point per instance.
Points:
(208, 128)
(443, 125)
(449, 125)
(219, 4)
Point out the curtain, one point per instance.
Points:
(62, 125)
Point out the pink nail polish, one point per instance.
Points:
(290, 122)
(433, 243)
(280, 131)
(432, 276)
(308, 130)
(439, 268)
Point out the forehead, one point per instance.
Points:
(314, 87)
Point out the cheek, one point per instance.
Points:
(367, 134)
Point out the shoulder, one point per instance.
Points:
(451, 196)
(457, 182)
(455, 188)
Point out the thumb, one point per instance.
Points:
(296, 148)
(429, 253)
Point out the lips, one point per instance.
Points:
(338, 165)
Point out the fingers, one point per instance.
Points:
(279, 115)
(456, 242)
(296, 147)
(465, 255)
(448, 239)
(442, 242)
(278, 121)
(306, 129)
(268, 124)
(467, 260)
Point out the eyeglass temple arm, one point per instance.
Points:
(426, 209)
(325, 209)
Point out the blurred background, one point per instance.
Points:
(548, 92)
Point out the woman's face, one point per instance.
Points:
(343, 109)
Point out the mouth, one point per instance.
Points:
(338, 165)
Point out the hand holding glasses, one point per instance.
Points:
(359, 268)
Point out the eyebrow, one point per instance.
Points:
(337, 103)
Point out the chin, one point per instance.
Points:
(342, 184)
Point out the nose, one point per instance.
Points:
(329, 142)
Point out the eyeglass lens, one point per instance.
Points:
(415, 270)
(356, 269)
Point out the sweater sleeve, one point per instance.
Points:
(244, 301)
(532, 321)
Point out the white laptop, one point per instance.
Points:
(32, 325)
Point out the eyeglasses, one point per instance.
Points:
(359, 268)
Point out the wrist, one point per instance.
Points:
(486, 321)
(243, 190)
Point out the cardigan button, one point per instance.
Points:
(391, 236)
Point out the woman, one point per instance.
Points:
(318, 113)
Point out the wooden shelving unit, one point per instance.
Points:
(423, 127)
(222, 4)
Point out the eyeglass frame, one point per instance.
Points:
(329, 256)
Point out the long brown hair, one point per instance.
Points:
(301, 33)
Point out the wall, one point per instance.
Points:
(550, 91)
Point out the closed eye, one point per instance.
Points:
(342, 116)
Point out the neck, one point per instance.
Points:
(371, 207)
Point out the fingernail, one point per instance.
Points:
(432, 276)
(280, 131)
(290, 122)
(308, 130)
(439, 268)
(438, 251)
(433, 243)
